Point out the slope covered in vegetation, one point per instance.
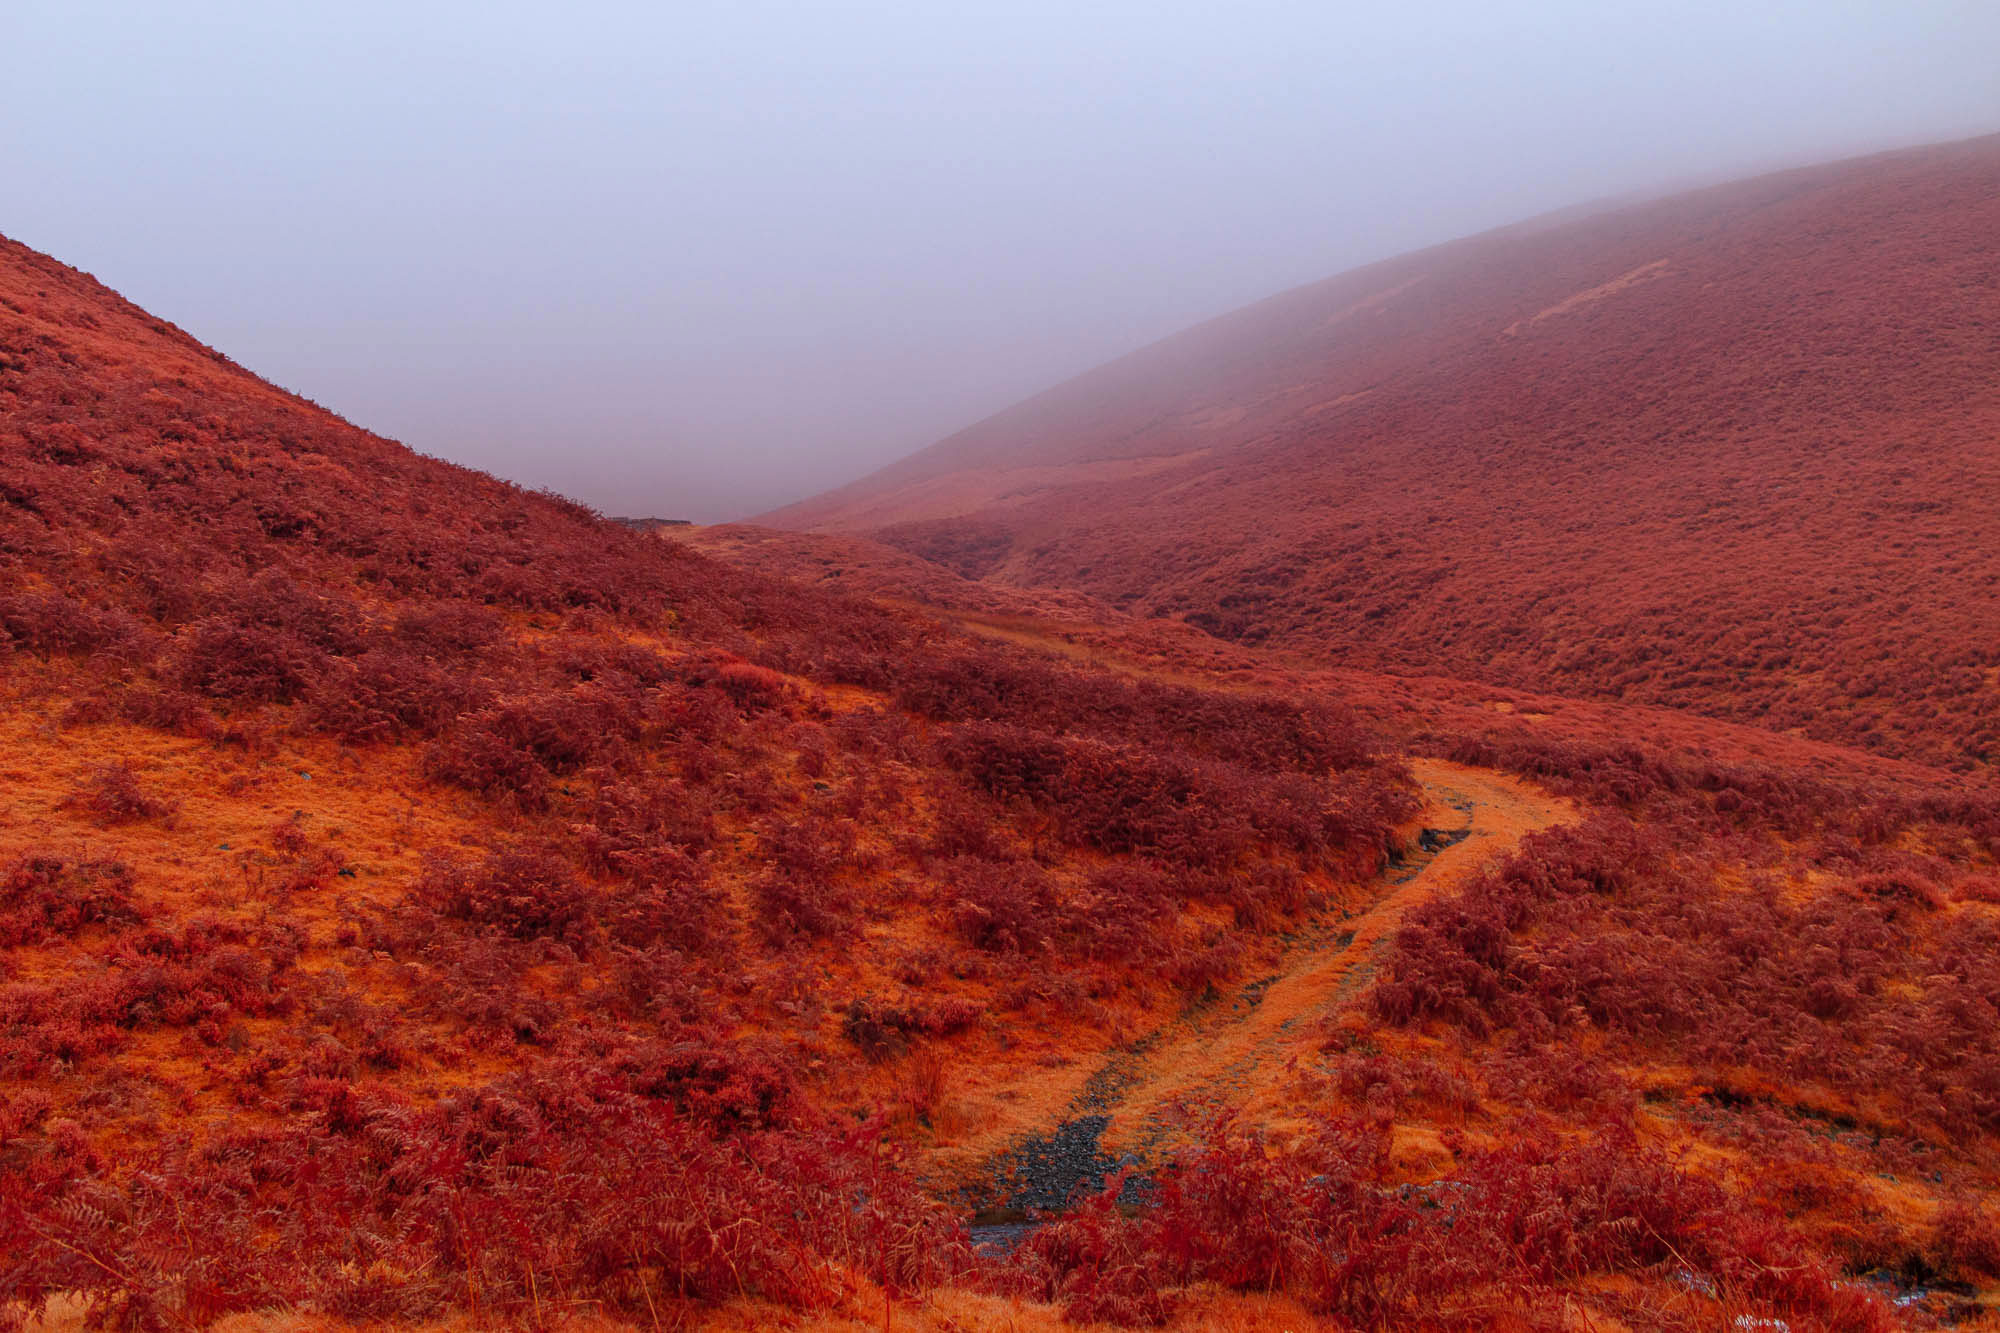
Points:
(420, 893)
(422, 901)
(1732, 452)
(1732, 989)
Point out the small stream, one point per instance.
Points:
(1000, 1239)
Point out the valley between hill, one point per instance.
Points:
(427, 904)
(1729, 451)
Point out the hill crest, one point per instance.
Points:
(1684, 452)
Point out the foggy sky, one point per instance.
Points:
(699, 259)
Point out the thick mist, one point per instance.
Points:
(700, 259)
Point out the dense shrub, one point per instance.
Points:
(965, 824)
(1965, 1241)
(1731, 794)
(520, 893)
(499, 1199)
(326, 621)
(1125, 912)
(1003, 907)
(634, 816)
(1858, 987)
(166, 708)
(51, 897)
(481, 758)
(1517, 1223)
(113, 795)
(1123, 800)
(881, 1030)
(53, 622)
(792, 905)
(449, 629)
(751, 685)
(513, 749)
(249, 663)
(663, 896)
(1260, 732)
(389, 694)
(200, 974)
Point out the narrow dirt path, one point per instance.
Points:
(1236, 1055)
(1233, 1054)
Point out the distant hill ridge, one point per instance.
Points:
(1735, 451)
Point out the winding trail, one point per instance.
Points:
(1234, 1053)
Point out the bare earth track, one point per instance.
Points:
(1229, 1057)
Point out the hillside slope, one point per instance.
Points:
(377, 837)
(1736, 451)
(424, 903)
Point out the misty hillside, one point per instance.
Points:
(426, 904)
(1732, 451)
(377, 835)
(1457, 797)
